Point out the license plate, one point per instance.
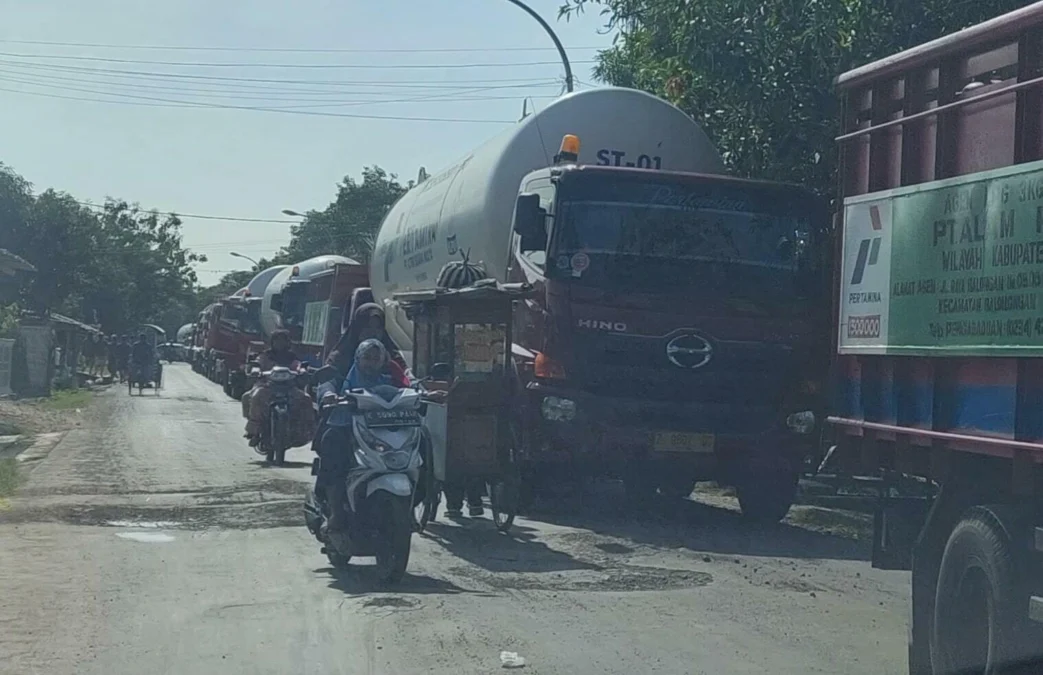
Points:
(677, 441)
(391, 418)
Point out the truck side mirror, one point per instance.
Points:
(277, 302)
(529, 222)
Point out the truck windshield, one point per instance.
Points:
(245, 316)
(746, 240)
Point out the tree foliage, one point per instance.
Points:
(116, 265)
(348, 225)
(758, 74)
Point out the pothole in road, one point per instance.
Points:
(287, 512)
(146, 537)
(623, 578)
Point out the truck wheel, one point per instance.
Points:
(980, 612)
(766, 495)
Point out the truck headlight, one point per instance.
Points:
(555, 409)
(801, 422)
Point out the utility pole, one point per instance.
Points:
(553, 36)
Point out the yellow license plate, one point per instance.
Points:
(676, 441)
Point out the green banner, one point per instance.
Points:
(953, 267)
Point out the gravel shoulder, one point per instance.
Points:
(151, 540)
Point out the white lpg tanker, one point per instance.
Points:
(470, 206)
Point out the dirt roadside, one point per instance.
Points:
(61, 412)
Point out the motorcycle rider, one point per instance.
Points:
(336, 457)
(255, 401)
(367, 323)
(142, 359)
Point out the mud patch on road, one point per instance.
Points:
(623, 578)
(236, 509)
(391, 601)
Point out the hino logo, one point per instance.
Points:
(868, 249)
(689, 351)
(614, 326)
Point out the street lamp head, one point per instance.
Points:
(291, 212)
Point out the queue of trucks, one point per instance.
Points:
(690, 326)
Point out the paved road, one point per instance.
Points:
(152, 541)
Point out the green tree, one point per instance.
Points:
(758, 74)
(348, 226)
(119, 267)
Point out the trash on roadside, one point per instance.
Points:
(511, 660)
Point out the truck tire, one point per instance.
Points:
(767, 493)
(981, 607)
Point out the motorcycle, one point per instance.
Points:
(275, 438)
(387, 442)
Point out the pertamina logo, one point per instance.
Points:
(868, 249)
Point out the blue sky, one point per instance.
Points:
(146, 145)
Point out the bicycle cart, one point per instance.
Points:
(461, 347)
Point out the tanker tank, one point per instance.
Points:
(470, 206)
(271, 316)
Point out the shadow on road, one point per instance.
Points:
(692, 525)
(362, 580)
(288, 464)
(478, 542)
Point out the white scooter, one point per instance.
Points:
(387, 441)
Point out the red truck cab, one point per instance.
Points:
(679, 330)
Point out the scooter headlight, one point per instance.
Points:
(556, 409)
(396, 460)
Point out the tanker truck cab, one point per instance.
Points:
(681, 329)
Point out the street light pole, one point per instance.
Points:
(557, 43)
(329, 232)
(244, 257)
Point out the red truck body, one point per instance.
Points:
(939, 299)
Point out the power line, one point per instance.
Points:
(212, 64)
(249, 90)
(167, 103)
(237, 219)
(288, 50)
(217, 78)
(437, 97)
